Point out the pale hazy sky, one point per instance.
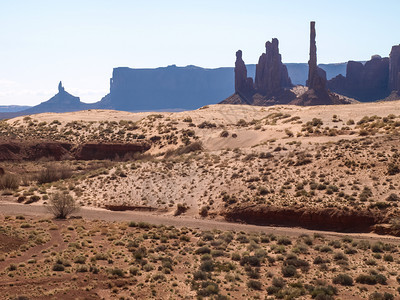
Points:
(80, 42)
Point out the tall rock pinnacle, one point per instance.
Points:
(60, 88)
(394, 69)
(243, 84)
(316, 76)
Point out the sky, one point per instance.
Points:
(80, 42)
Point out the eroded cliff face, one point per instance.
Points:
(12, 151)
(378, 78)
(364, 82)
(321, 219)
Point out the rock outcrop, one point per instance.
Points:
(273, 85)
(365, 82)
(394, 69)
(271, 80)
(244, 85)
(271, 74)
(59, 103)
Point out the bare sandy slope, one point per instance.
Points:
(264, 121)
(324, 157)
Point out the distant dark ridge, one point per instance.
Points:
(13, 108)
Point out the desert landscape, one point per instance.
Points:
(188, 153)
(200, 176)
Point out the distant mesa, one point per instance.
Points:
(378, 78)
(273, 85)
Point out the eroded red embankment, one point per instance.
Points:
(59, 151)
(330, 219)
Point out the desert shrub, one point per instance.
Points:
(322, 292)
(82, 269)
(207, 266)
(297, 263)
(53, 173)
(203, 250)
(253, 261)
(58, 268)
(379, 296)
(224, 134)
(199, 275)
(180, 209)
(80, 259)
(32, 199)
(288, 271)
(284, 241)
(9, 182)
(366, 279)
(193, 147)
(388, 257)
(393, 197)
(117, 272)
(393, 169)
(62, 205)
(254, 284)
(343, 279)
(208, 289)
(377, 247)
(204, 211)
(206, 124)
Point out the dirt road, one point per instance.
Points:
(8, 208)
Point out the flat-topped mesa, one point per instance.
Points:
(243, 85)
(394, 69)
(271, 74)
(316, 76)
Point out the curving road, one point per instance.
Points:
(9, 208)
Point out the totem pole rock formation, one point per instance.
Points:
(316, 76)
(272, 83)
